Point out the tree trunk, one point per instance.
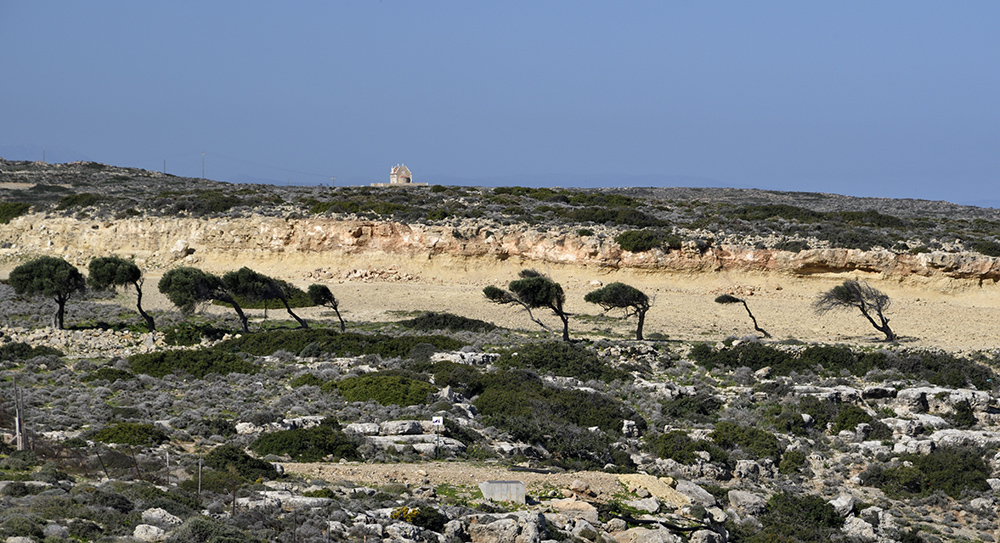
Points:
(239, 312)
(755, 327)
(58, 318)
(343, 327)
(638, 329)
(302, 323)
(565, 321)
(138, 305)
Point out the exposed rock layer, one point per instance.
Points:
(163, 242)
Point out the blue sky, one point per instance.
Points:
(898, 99)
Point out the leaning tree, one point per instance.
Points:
(107, 272)
(625, 297)
(254, 286)
(321, 295)
(730, 299)
(853, 294)
(533, 291)
(186, 287)
(48, 276)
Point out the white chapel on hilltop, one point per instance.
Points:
(400, 175)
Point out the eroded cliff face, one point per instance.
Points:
(160, 243)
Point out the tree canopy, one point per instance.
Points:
(321, 295)
(48, 276)
(533, 291)
(625, 297)
(253, 285)
(107, 272)
(186, 287)
(872, 303)
(730, 299)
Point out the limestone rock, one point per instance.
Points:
(645, 535)
(696, 493)
(843, 504)
(575, 509)
(706, 536)
(148, 533)
(858, 529)
(747, 502)
(160, 517)
(658, 487)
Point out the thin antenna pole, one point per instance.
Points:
(164, 166)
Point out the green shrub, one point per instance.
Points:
(309, 444)
(678, 446)
(790, 518)
(109, 374)
(463, 378)
(386, 389)
(791, 462)
(446, 321)
(639, 241)
(561, 358)
(962, 416)
(765, 212)
(701, 407)
(986, 247)
(519, 403)
(21, 526)
(24, 351)
(849, 418)
(228, 458)
(131, 433)
(948, 469)
(11, 210)
(330, 341)
(306, 379)
(197, 363)
(212, 427)
(320, 493)
(83, 199)
(761, 444)
(189, 333)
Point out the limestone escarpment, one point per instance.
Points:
(163, 242)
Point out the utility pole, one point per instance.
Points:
(19, 436)
(164, 166)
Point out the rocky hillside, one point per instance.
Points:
(82, 210)
(394, 429)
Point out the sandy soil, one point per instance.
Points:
(603, 485)
(949, 314)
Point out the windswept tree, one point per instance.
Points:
(107, 272)
(533, 291)
(254, 286)
(853, 294)
(321, 295)
(730, 299)
(187, 287)
(48, 276)
(625, 297)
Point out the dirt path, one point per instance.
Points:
(604, 485)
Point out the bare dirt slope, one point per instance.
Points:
(948, 314)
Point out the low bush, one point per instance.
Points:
(561, 358)
(517, 402)
(107, 373)
(791, 518)
(83, 199)
(197, 363)
(951, 470)
(431, 321)
(189, 333)
(385, 388)
(11, 210)
(936, 367)
(701, 407)
(131, 433)
(212, 427)
(323, 340)
(228, 458)
(306, 379)
(759, 443)
(309, 444)
(791, 462)
(463, 378)
(678, 446)
(640, 241)
(986, 247)
(24, 351)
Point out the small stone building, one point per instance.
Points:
(400, 176)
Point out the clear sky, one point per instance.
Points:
(866, 98)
